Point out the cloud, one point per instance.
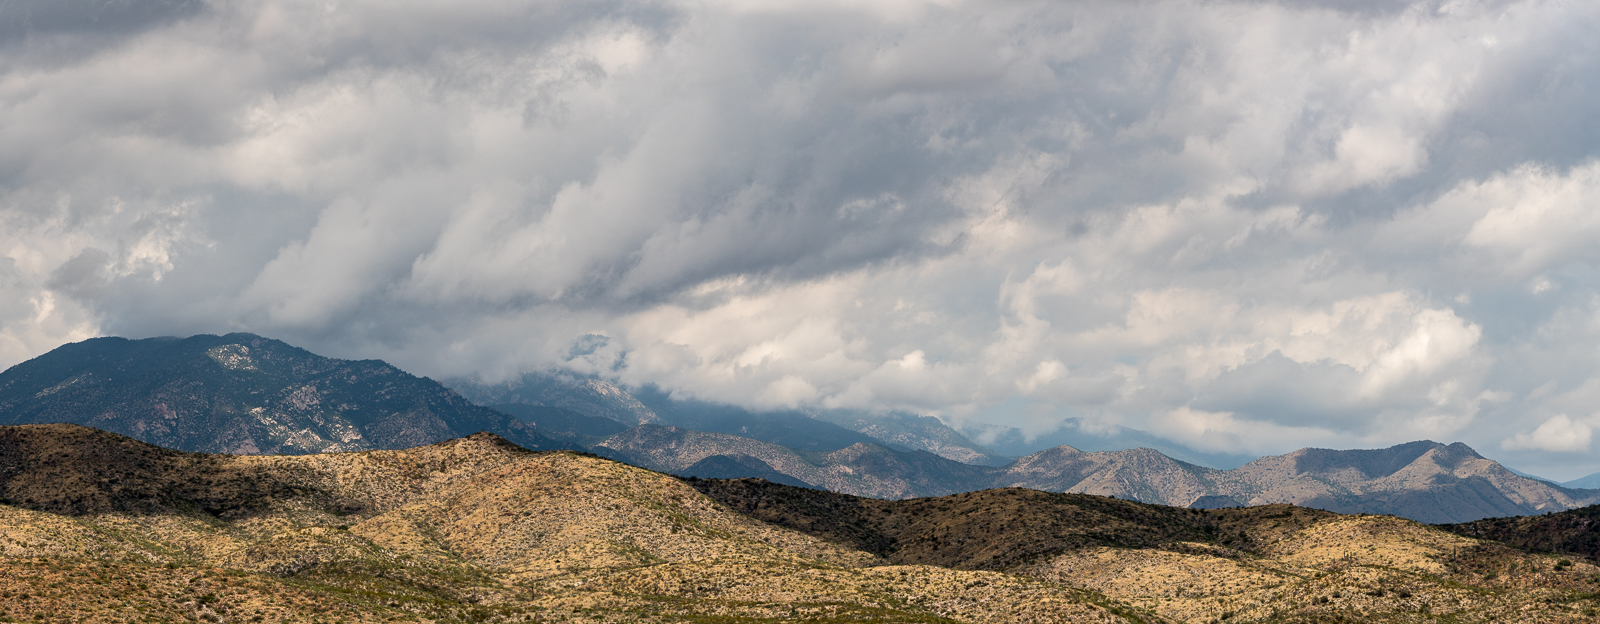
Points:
(1559, 434)
(1331, 222)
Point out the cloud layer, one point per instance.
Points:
(1246, 226)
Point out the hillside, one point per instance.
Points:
(98, 527)
(1573, 532)
(1276, 563)
(242, 393)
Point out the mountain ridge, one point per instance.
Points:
(242, 393)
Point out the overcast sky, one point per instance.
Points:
(1245, 226)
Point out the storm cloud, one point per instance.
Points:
(1244, 226)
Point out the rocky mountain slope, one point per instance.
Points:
(242, 393)
(96, 527)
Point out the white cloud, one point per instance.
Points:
(1560, 434)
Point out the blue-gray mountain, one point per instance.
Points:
(243, 394)
(1591, 481)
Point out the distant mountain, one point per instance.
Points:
(1425, 481)
(1532, 476)
(1135, 474)
(1590, 482)
(590, 396)
(799, 430)
(243, 394)
(862, 469)
(1079, 435)
(789, 428)
(738, 467)
(913, 432)
(562, 423)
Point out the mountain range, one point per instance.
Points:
(244, 394)
(97, 527)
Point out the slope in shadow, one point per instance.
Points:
(997, 529)
(1575, 531)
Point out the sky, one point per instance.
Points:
(1246, 227)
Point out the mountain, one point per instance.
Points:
(242, 393)
(1135, 474)
(1275, 563)
(1080, 435)
(789, 428)
(864, 469)
(913, 432)
(1589, 482)
(1532, 476)
(737, 466)
(587, 395)
(1425, 481)
(562, 423)
(809, 430)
